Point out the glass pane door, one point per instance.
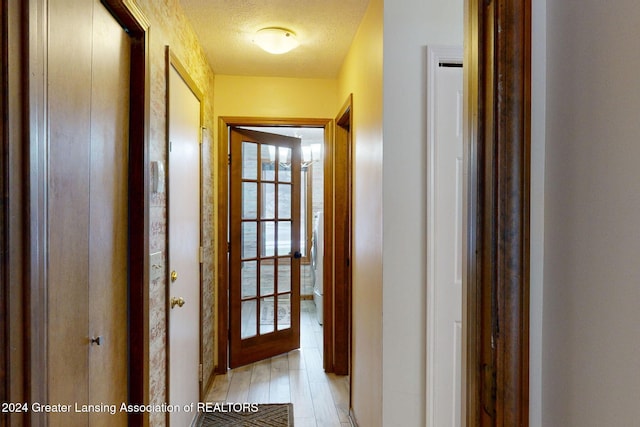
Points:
(265, 252)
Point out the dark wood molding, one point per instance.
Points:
(342, 230)
(132, 19)
(14, 334)
(496, 301)
(4, 213)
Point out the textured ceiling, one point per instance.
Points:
(325, 30)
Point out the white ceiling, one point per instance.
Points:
(324, 28)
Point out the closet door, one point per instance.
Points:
(108, 217)
(88, 98)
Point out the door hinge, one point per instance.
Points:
(228, 247)
(229, 159)
(201, 254)
(200, 373)
(489, 389)
(202, 129)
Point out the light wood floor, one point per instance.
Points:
(319, 399)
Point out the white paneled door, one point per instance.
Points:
(184, 247)
(445, 239)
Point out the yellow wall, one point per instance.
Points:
(361, 74)
(280, 97)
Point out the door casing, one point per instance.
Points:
(497, 88)
(338, 196)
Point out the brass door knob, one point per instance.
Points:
(177, 301)
(174, 276)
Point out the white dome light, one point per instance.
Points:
(276, 40)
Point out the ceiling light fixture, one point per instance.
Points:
(276, 40)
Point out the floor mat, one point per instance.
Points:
(266, 415)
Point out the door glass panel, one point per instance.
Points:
(284, 311)
(268, 201)
(284, 275)
(267, 315)
(249, 200)
(284, 238)
(268, 239)
(249, 240)
(249, 319)
(284, 164)
(249, 279)
(249, 160)
(284, 201)
(268, 162)
(267, 277)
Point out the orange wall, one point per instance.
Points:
(361, 74)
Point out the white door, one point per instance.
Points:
(445, 241)
(184, 247)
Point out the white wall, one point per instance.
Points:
(591, 352)
(409, 26)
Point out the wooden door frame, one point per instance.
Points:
(33, 198)
(222, 297)
(337, 323)
(6, 246)
(497, 67)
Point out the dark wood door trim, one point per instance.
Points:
(137, 25)
(133, 20)
(342, 226)
(5, 165)
(222, 297)
(497, 145)
(14, 371)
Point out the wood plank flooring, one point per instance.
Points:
(319, 399)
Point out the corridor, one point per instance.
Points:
(319, 399)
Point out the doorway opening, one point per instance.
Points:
(312, 365)
(317, 175)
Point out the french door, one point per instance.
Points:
(264, 253)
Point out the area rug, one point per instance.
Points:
(267, 415)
